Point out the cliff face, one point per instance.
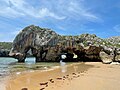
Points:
(46, 45)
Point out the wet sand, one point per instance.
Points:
(3, 82)
(79, 76)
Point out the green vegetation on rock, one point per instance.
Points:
(5, 45)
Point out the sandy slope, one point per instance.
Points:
(80, 76)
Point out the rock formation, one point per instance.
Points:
(46, 45)
(4, 53)
(5, 49)
(34, 38)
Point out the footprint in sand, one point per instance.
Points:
(74, 73)
(67, 75)
(59, 78)
(46, 84)
(76, 76)
(24, 89)
(64, 77)
(51, 80)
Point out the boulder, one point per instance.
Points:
(117, 55)
(92, 53)
(106, 58)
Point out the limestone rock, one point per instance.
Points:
(46, 45)
(34, 38)
(107, 59)
(92, 53)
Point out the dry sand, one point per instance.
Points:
(80, 76)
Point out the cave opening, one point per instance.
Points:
(30, 59)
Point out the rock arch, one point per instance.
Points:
(46, 45)
(35, 38)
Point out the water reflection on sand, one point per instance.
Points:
(37, 80)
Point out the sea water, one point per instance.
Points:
(4, 65)
(10, 65)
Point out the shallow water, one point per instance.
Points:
(9, 66)
(35, 80)
(4, 65)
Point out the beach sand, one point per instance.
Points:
(78, 76)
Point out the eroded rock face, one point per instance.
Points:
(92, 53)
(46, 45)
(117, 55)
(35, 38)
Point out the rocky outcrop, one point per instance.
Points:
(5, 49)
(46, 45)
(92, 53)
(4, 53)
(114, 41)
(35, 38)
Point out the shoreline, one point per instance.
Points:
(32, 80)
(85, 76)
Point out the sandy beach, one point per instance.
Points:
(78, 76)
